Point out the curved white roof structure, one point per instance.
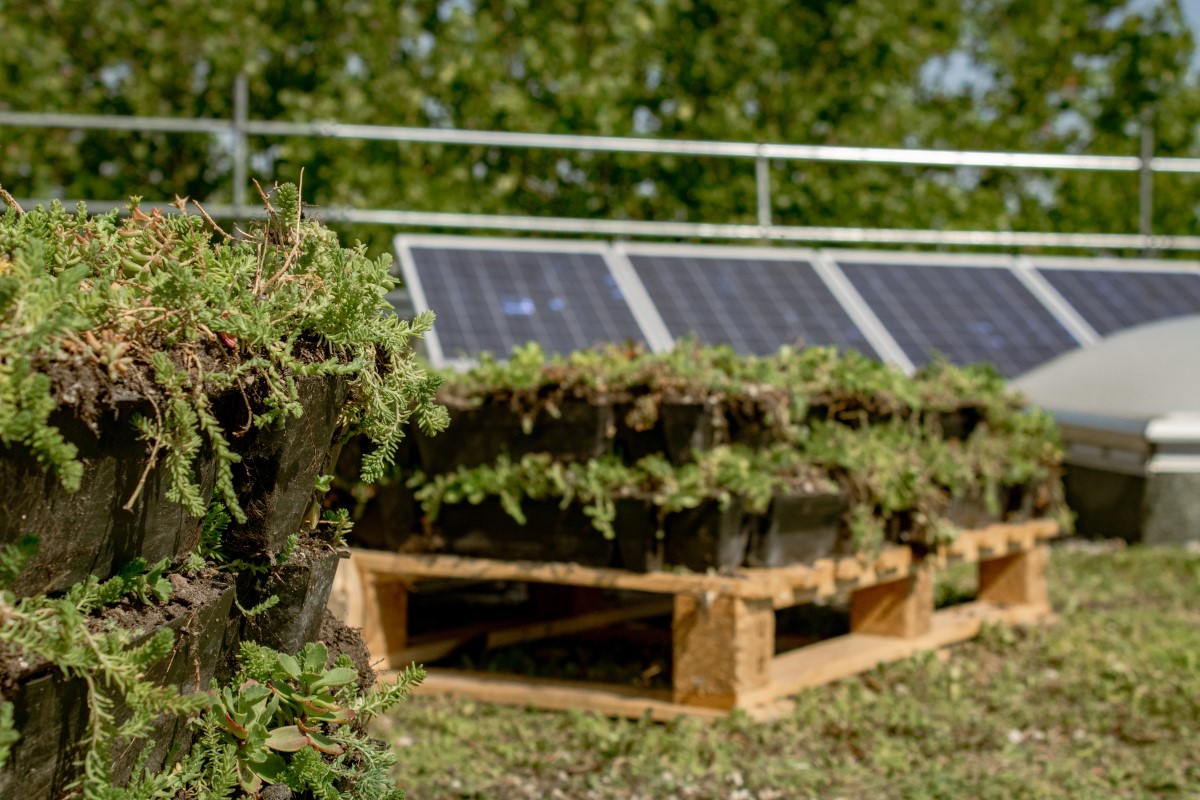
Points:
(1130, 402)
(1129, 408)
(1143, 373)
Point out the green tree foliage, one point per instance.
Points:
(1063, 75)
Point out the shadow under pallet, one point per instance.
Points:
(723, 627)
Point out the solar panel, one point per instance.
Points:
(1110, 300)
(967, 313)
(492, 299)
(753, 304)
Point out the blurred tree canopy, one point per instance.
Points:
(1039, 75)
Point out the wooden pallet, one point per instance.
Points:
(723, 626)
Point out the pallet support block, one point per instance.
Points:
(722, 649)
(385, 621)
(1016, 579)
(901, 608)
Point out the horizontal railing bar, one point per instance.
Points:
(552, 141)
(950, 158)
(454, 136)
(1184, 165)
(115, 122)
(703, 230)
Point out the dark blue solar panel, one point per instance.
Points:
(1111, 300)
(968, 314)
(754, 305)
(490, 300)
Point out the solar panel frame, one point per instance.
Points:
(1115, 264)
(872, 333)
(409, 271)
(994, 261)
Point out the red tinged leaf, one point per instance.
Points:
(234, 728)
(325, 744)
(287, 739)
(307, 729)
(227, 340)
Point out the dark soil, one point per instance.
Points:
(302, 586)
(78, 381)
(342, 639)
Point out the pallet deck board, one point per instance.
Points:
(563, 695)
(854, 653)
(804, 582)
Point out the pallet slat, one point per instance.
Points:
(802, 582)
(611, 700)
(845, 656)
(439, 566)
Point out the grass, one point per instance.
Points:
(1105, 703)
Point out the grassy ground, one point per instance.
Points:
(1105, 703)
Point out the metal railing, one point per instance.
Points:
(240, 128)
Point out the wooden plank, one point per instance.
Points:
(721, 649)
(1004, 537)
(1016, 578)
(784, 586)
(854, 653)
(901, 608)
(442, 566)
(432, 648)
(611, 700)
(346, 599)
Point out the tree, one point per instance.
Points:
(1055, 76)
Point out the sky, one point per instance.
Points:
(1191, 11)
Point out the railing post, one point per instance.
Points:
(1146, 179)
(241, 155)
(762, 182)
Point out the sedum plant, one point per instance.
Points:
(783, 390)
(288, 712)
(69, 634)
(893, 473)
(295, 721)
(720, 475)
(902, 447)
(292, 720)
(170, 308)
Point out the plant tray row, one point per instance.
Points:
(582, 429)
(578, 429)
(723, 626)
(796, 528)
